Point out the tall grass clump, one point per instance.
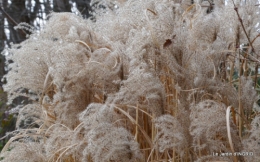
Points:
(142, 80)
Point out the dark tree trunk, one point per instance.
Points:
(2, 45)
(16, 13)
(61, 6)
(84, 7)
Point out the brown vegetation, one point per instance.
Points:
(144, 80)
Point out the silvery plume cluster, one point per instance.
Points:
(141, 80)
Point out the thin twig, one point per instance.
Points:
(249, 58)
(10, 18)
(256, 72)
(242, 24)
(255, 38)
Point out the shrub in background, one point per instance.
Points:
(8, 120)
(143, 80)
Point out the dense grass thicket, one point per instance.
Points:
(140, 81)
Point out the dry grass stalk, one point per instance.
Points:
(144, 82)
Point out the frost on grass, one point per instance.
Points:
(252, 144)
(142, 80)
(209, 130)
(24, 151)
(170, 134)
(108, 143)
(30, 116)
